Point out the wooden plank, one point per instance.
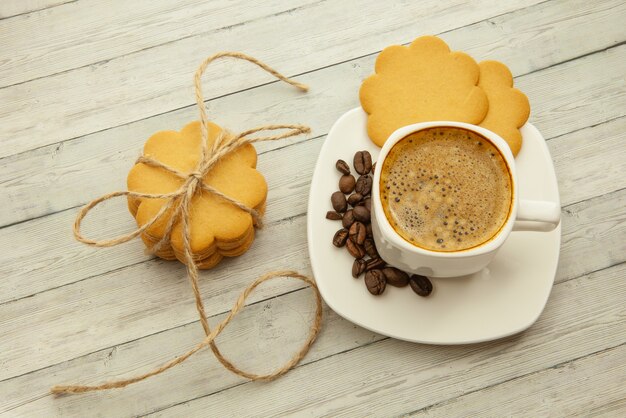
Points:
(582, 316)
(83, 33)
(145, 298)
(610, 410)
(153, 296)
(587, 150)
(277, 325)
(575, 388)
(409, 377)
(128, 320)
(45, 180)
(593, 234)
(123, 90)
(14, 8)
(49, 257)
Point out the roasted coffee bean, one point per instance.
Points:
(367, 202)
(358, 233)
(358, 267)
(355, 250)
(375, 264)
(375, 282)
(343, 167)
(339, 202)
(362, 162)
(361, 214)
(348, 219)
(373, 168)
(421, 285)
(396, 277)
(354, 198)
(340, 238)
(364, 185)
(370, 247)
(333, 216)
(347, 183)
(369, 230)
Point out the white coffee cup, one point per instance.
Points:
(525, 215)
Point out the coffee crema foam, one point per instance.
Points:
(446, 189)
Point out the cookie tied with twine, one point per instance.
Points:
(173, 218)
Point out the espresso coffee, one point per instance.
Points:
(446, 189)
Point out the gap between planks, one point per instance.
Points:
(14, 196)
(566, 279)
(313, 70)
(439, 408)
(314, 357)
(495, 344)
(173, 90)
(566, 209)
(51, 4)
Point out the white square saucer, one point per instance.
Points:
(503, 299)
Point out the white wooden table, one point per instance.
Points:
(84, 83)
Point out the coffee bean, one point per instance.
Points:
(354, 198)
(364, 185)
(368, 204)
(348, 219)
(347, 183)
(367, 159)
(369, 230)
(375, 282)
(339, 202)
(370, 247)
(396, 277)
(343, 167)
(358, 233)
(333, 216)
(358, 267)
(355, 250)
(421, 285)
(373, 168)
(375, 264)
(362, 162)
(340, 238)
(361, 214)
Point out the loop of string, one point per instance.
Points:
(177, 206)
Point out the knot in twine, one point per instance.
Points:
(178, 203)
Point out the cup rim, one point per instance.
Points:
(394, 238)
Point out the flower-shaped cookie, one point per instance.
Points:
(217, 227)
(508, 107)
(422, 82)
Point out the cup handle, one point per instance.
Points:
(537, 215)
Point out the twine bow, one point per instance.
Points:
(178, 204)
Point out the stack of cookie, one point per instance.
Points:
(425, 81)
(217, 227)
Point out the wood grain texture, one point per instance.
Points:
(390, 377)
(15, 8)
(581, 387)
(34, 192)
(122, 90)
(83, 33)
(122, 293)
(85, 83)
(49, 250)
(564, 331)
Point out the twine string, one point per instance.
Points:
(177, 206)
